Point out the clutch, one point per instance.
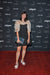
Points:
(20, 38)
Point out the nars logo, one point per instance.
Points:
(39, 26)
(32, 9)
(7, 25)
(1, 40)
(46, 20)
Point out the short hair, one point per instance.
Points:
(24, 12)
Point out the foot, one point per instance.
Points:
(16, 65)
(23, 63)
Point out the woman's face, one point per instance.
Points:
(23, 16)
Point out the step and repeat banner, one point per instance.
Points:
(38, 13)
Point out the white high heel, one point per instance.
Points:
(23, 63)
(16, 66)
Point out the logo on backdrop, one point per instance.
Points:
(39, 16)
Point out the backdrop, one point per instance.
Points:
(39, 15)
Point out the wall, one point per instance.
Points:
(39, 15)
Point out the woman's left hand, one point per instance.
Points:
(28, 41)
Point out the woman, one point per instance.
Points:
(23, 29)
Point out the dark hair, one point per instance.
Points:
(24, 12)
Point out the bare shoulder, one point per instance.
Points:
(28, 21)
(18, 21)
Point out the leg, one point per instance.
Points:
(23, 52)
(18, 53)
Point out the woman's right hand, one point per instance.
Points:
(18, 41)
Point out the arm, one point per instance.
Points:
(17, 28)
(28, 35)
(29, 29)
(17, 35)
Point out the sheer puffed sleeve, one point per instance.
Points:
(17, 26)
(29, 26)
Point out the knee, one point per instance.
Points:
(18, 50)
(24, 49)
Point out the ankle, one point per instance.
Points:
(22, 60)
(16, 62)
